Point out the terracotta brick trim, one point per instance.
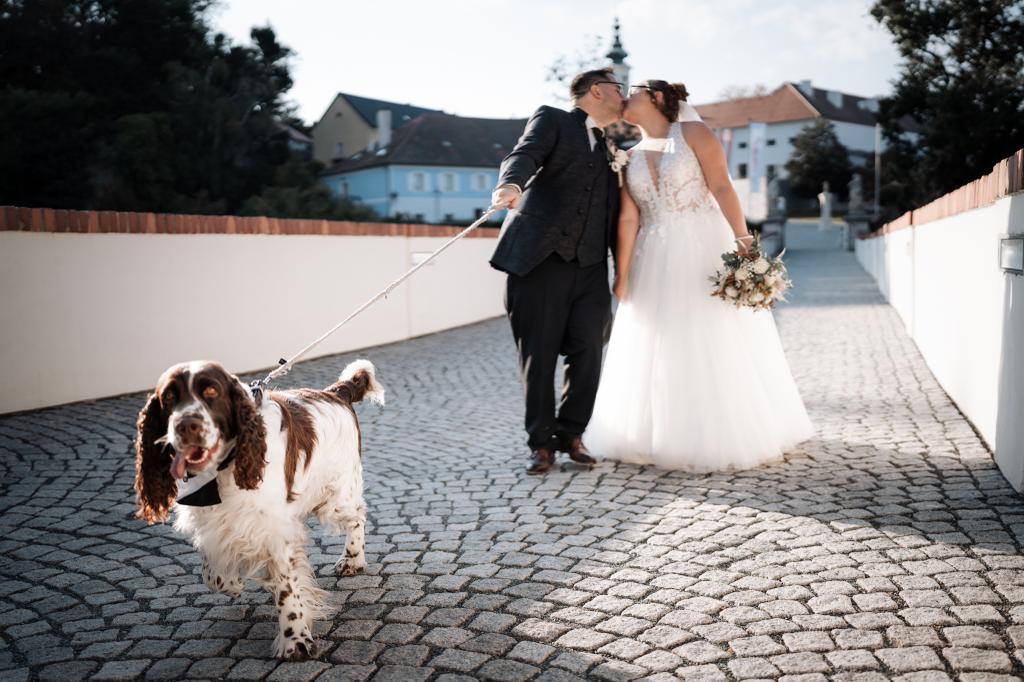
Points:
(22, 219)
(1006, 178)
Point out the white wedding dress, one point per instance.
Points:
(689, 381)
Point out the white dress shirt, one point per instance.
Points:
(591, 124)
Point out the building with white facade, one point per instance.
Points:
(757, 132)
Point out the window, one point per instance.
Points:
(771, 142)
(448, 182)
(480, 182)
(742, 145)
(418, 182)
(339, 148)
(742, 171)
(770, 170)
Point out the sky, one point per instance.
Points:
(489, 58)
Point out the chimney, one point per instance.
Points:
(805, 87)
(383, 128)
(836, 98)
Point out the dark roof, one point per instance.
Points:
(437, 139)
(851, 111)
(367, 109)
(294, 133)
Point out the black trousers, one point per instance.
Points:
(557, 309)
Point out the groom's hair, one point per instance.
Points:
(582, 82)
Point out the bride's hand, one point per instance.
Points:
(619, 288)
(743, 244)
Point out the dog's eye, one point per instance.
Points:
(168, 397)
(210, 392)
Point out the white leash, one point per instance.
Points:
(286, 365)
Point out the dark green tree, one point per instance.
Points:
(138, 105)
(297, 193)
(818, 156)
(960, 94)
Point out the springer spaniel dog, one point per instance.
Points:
(267, 465)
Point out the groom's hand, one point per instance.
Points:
(507, 196)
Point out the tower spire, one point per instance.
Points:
(617, 55)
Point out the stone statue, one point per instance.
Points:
(856, 194)
(825, 201)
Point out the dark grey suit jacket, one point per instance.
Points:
(556, 168)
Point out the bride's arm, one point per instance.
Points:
(716, 173)
(629, 225)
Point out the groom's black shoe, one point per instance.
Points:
(578, 452)
(541, 461)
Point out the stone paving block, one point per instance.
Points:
(910, 659)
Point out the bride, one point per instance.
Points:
(689, 382)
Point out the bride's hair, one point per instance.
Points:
(672, 95)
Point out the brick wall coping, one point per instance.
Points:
(22, 219)
(1006, 178)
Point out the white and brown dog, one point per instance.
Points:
(269, 466)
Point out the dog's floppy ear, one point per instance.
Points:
(155, 488)
(250, 438)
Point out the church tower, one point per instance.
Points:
(617, 55)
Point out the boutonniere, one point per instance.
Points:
(618, 159)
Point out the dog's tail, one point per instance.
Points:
(358, 381)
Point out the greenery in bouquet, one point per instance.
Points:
(753, 280)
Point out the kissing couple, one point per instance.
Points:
(689, 382)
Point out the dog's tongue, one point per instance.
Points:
(178, 465)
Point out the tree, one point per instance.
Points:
(564, 68)
(960, 94)
(742, 91)
(138, 105)
(297, 193)
(818, 156)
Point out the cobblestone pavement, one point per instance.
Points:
(889, 546)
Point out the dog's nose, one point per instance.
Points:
(189, 427)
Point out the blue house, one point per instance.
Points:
(436, 168)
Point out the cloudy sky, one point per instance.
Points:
(490, 57)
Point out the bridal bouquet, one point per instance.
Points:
(754, 280)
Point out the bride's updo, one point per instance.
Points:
(673, 94)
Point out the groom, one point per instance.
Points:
(554, 246)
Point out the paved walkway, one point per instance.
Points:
(887, 547)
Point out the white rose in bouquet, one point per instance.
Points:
(756, 297)
(742, 273)
(732, 292)
(761, 265)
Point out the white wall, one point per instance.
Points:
(90, 315)
(965, 314)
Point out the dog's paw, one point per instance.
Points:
(350, 566)
(295, 645)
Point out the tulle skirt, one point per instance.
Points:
(689, 381)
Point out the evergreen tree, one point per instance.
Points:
(818, 156)
(138, 105)
(960, 94)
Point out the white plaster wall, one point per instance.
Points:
(90, 315)
(965, 314)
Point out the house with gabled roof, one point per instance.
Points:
(435, 168)
(784, 112)
(352, 123)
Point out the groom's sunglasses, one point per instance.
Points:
(616, 83)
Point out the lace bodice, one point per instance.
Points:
(666, 179)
